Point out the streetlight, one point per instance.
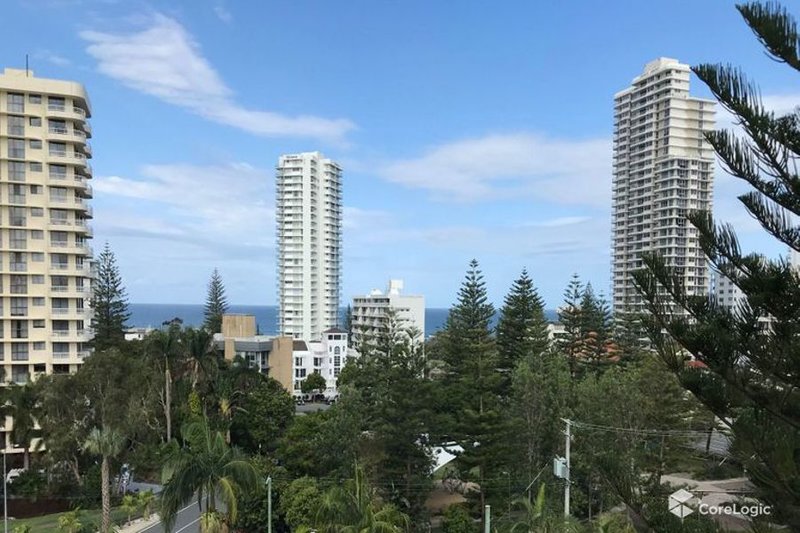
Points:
(5, 489)
(269, 504)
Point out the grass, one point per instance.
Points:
(49, 523)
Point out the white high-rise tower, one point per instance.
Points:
(309, 227)
(663, 168)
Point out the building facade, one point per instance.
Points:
(726, 293)
(45, 278)
(288, 360)
(309, 235)
(271, 355)
(326, 356)
(371, 312)
(663, 169)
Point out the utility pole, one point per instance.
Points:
(487, 519)
(5, 490)
(269, 504)
(569, 473)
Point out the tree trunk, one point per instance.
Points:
(106, 492)
(168, 401)
(76, 471)
(26, 457)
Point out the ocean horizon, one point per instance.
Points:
(154, 315)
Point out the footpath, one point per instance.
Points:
(140, 524)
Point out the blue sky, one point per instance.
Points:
(466, 129)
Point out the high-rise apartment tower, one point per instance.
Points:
(45, 278)
(309, 228)
(663, 169)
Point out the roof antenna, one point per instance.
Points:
(27, 72)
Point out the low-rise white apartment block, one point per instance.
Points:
(327, 357)
(371, 312)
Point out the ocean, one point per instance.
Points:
(154, 315)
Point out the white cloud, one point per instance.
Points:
(223, 14)
(52, 57)
(164, 60)
(220, 207)
(507, 165)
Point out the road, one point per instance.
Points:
(188, 521)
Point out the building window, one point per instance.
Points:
(37, 279)
(337, 351)
(19, 329)
(57, 172)
(35, 98)
(38, 301)
(58, 194)
(16, 148)
(19, 284)
(16, 216)
(19, 306)
(61, 349)
(39, 323)
(19, 262)
(337, 361)
(57, 149)
(57, 126)
(35, 122)
(39, 345)
(56, 103)
(19, 374)
(37, 234)
(37, 257)
(298, 361)
(36, 166)
(16, 125)
(16, 171)
(59, 261)
(19, 239)
(300, 373)
(37, 212)
(36, 144)
(59, 216)
(15, 102)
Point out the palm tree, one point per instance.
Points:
(144, 501)
(206, 466)
(165, 346)
(129, 506)
(106, 443)
(70, 522)
(22, 404)
(200, 353)
(356, 508)
(537, 518)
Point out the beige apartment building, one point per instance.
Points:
(45, 269)
(663, 169)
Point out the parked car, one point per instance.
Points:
(13, 474)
